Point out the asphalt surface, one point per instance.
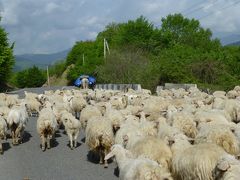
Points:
(27, 161)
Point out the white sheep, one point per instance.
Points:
(76, 103)
(227, 168)
(185, 123)
(46, 126)
(3, 132)
(11, 100)
(99, 137)
(220, 135)
(195, 162)
(87, 113)
(154, 149)
(72, 127)
(17, 120)
(139, 168)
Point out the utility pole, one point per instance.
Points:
(48, 77)
(104, 51)
(83, 60)
(106, 47)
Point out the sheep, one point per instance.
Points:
(16, 120)
(87, 113)
(84, 83)
(11, 100)
(128, 134)
(46, 126)
(72, 127)
(221, 135)
(154, 149)
(219, 94)
(118, 102)
(150, 128)
(233, 108)
(3, 132)
(99, 137)
(114, 116)
(232, 94)
(195, 162)
(185, 123)
(33, 106)
(210, 116)
(58, 110)
(139, 168)
(4, 111)
(227, 168)
(76, 104)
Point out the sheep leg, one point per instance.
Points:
(71, 140)
(13, 137)
(43, 143)
(75, 139)
(48, 142)
(105, 161)
(18, 135)
(101, 156)
(1, 148)
(21, 135)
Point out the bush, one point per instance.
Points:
(32, 77)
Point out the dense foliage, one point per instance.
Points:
(32, 77)
(180, 51)
(6, 57)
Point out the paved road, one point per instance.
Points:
(59, 163)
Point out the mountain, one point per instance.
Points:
(237, 43)
(25, 61)
(230, 39)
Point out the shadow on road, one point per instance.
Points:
(58, 134)
(26, 137)
(116, 171)
(83, 140)
(93, 157)
(54, 143)
(78, 144)
(6, 146)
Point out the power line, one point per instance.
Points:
(200, 8)
(226, 7)
(190, 8)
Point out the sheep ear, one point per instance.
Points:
(237, 157)
(223, 166)
(70, 99)
(191, 140)
(171, 142)
(138, 115)
(108, 156)
(147, 115)
(232, 129)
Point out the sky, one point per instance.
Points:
(47, 26)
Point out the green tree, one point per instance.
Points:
(32, 77)
(6, 57)
(178, 29)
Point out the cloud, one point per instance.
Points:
(46, 26)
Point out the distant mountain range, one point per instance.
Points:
(237, 43)
(25, 61)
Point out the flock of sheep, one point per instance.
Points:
(178, 134)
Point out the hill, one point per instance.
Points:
(237, 43)
(25, 61)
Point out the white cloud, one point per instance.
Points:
(50, 7)
(53, 25)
